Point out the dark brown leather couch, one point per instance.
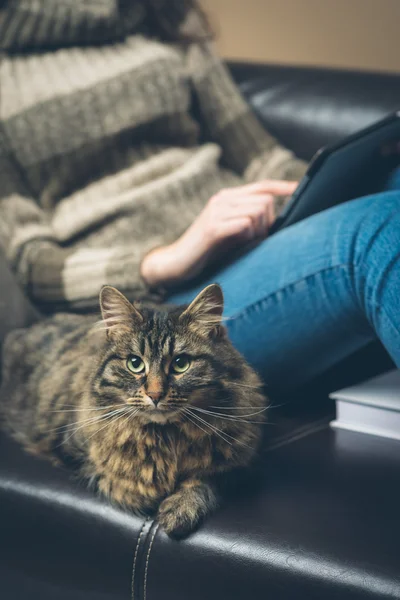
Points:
(319, 518)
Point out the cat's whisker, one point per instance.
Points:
(131, 416)
(106, 417)
(211, 427)
(256, 410)
(243, 385)
(247, 407)
(92, 419)
(185, 415)
(115, 419)
(240, 415)
(72, 432)
(84, 409)
(219, 432)
(237, 419)
(232, 419)
(272, 406)
(97, 408)
(103, 427)
(84, 421)
(133, 413)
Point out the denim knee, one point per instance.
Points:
(375, 252)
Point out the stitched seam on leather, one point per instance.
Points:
(135, 560)
(147, 562)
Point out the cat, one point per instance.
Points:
(153, 405)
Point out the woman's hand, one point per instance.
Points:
(231, 218)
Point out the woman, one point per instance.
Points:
(107, 176)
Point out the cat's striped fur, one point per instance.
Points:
(153, 440)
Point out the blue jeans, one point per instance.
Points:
(316, 292)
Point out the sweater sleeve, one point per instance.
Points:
(54, 276)
(247, 147)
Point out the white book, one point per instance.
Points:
(371, 407)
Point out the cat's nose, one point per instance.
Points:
(155, 396)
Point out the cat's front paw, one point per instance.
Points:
(176, 521)
(182, 512)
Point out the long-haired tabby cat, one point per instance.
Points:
(153, 407)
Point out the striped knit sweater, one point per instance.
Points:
(102, 156)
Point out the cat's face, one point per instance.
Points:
(163, 363)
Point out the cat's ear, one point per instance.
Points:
(205, 311)
(119, 315)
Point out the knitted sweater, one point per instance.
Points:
(102, 154)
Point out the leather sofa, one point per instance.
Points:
(318, 518)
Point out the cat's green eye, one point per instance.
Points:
(181, 363)
(135, 364)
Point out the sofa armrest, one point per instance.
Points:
(306, 108)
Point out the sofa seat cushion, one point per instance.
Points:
(319, 518)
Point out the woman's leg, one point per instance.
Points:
(316, 292)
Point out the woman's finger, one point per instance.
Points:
(250, 202)
(261, 200)
(271, 214)
(259, 212)
(240, 226)
(267, 186)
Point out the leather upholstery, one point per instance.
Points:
(309, 108)
(319, 521)
(309, 531)
(318, 517)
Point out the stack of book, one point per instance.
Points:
(371, 407)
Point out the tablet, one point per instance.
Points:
(356, 166)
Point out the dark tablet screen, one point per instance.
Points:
(357, 166)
